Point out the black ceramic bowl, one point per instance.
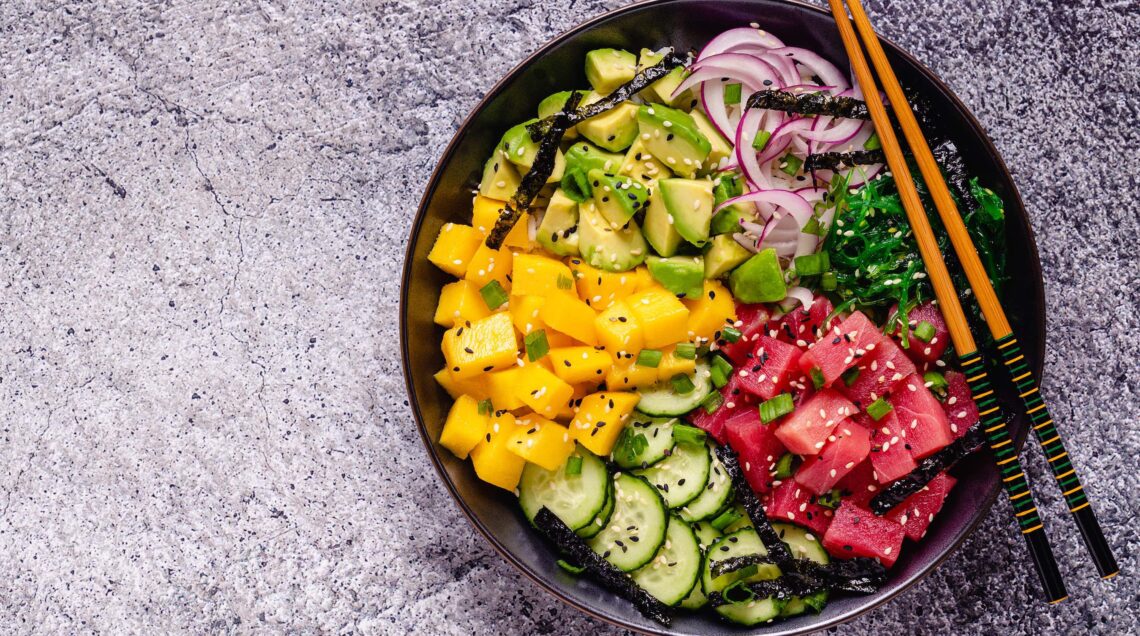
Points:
(557, 66)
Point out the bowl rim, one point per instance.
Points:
(417, 225)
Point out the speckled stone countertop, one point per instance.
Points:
(203, 213)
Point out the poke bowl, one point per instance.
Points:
(725, 300)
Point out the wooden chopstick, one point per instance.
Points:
(1043, 426)
(997, 432)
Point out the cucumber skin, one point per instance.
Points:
(661, 401)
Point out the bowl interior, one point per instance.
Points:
(684, 24)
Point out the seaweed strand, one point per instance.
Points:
(809, 104)
(927, 469)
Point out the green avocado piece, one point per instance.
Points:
(720, 148)
(606, 69)
(723, 254)
(641, 165)
(672, 136)
(690, 201)
(661, 91)
(558, 232)
(614, 129)
(727, 220)
(618, 198)
(554, 103)
(606, 248)
(659, 229)
(682, 275)
(759, 279)
(581, 158)
(500, 179)
(518, 148)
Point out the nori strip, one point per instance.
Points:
(610, 577)
(927, 469)
(809, 104)
(841, 160)
(859, 575)
(535, 178)
(778, 550)
(732, 564)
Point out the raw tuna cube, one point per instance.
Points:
(713, 423)
(792, 502)
(753, 319)
(923, 352)
(889, 454)
(917, 511)
(851, 445)
(756, 446)
(805, 431)
(860, 485)
(771, 366)
(857, 532)
(959, 406)
(879, 370)
(842, 347)
(921, 416)
(803, 328)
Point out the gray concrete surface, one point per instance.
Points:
(203, 210)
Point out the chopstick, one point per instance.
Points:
(997, 431)
(1027, 386)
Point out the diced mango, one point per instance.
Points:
(459, 302)
(456, 387)
(580, 391)
(643, 279)
(618, 329)
(539, 275)
(541, 441)
(601, 418)
(664, 319)
(525, 314)
(454, 248)
(598, 288)
(493, 461)
(710, 313)
(581, 364)
(487, 344)
(464, 426)
(500, 388)
(486, 213)
(671, 365)
(567, 314)
(488, 265)
(541, 390)
(627, 374)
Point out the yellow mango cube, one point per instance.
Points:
(485, 213)
(541, 441)
(598, 288)
(581, 364)
(664, 319)
(712, 312)
(464, 427)
(643, 279)
(537, 275)
(627, 374)
(454, 248)
(671, 364)
(500, 388)
(601, 418)
(566, 314)
(456, 387)
(487, 265)
(483, 345)
(541, 390)
(459, 302)
(525, 313)
(618, 329)
(493, 461)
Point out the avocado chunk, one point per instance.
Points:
(558, 232)
(618, 198)
(581, 158)
(555, 103)
(606, 69)
(500, 179)
(641, 165)
(723, 255)
(614, 129)
(659, 228)
(759, 279)
(727, 221)
(682, 275)
(606, 248)
(518, 148)
(720, 148)
(690, 201)
(661, 91)
(672, 137)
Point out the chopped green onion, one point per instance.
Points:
(732, 94)
(683, 384)
(790, 164)
(686, 351)
(630, 445)
(565, 283)
(536, 344)
(725, 519)
(761, 139)
(812, 227)
(829, 499)
(936, 382)
(712, 402)
(873, 142)
(828, 281)
(719, 362)
(486, 408)
(685, 434)
(702, 350)
(570, 567)
(731, 334)
(879, 409)
(494, 295)
(817, 379)
(574, 465)
(849, 376)
(786, 465)
(777, 407)
(718, 377)
(924, 331)
(812, 264)
(649, 358)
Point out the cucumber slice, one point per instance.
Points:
(740, 524)
(681, 477)
(741, 543)
(713, 498)
(660, 399)
(674, 570)
(804, 545)
(575, 499)
(706, 534)
(658, 434)
(696, 598)
(603, 517)
(636, 528)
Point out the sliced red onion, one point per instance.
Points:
(818, 66)
(782, 137)
(801, 294)
(812, 194)
(741, 38)
(791, 202)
